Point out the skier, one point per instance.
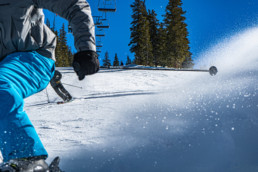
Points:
(27, 57)
(59, 88)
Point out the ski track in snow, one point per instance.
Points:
(158, 120)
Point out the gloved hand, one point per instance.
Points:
(85, 63)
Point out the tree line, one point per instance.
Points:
(156, 43)
(107, 61)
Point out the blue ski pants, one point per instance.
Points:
(22, 74)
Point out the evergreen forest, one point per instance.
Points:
(160, 43)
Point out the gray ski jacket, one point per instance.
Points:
(22, 25)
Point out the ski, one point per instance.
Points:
(63, 102)
(51, 103)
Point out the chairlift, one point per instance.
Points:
(99, 41)
(104, 24)
(100, 33)
(101, 21)
(97, 20)
(107, 5)
(99, 46)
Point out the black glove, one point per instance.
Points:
(85, 63)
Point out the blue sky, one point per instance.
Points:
(208, 22)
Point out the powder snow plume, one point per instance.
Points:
(236, 54)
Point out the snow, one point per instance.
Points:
(158, 120)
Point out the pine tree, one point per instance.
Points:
(140, 34)
(128, 61)
(62, 58)
(54, 24)
(154, 24)
(106, 60)
(70, 56)
(161, 46)
(121, 64)
(177, 42)
(116, 61)
(58, 50)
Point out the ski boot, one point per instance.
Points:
(34, 164)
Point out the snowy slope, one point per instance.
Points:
(124, 121)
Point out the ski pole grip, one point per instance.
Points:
(76, 66)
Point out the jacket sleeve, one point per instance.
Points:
(78, 14)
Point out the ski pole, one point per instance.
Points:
(72, 85)
(47, 96)
(212, 70)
